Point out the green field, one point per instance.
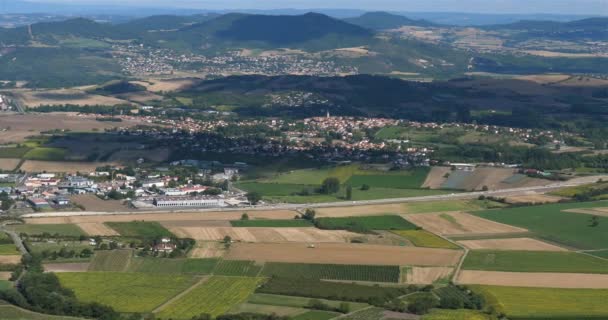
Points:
(333, 271)
(46, 154)
(14, 152)
(172, 266)
(114, 260)
(299, 223)
(367, 314)
(140, 229)
(410, 179)
(267, 310)
(448, 205)
(10, 312)
(214, 296)
(386, 222)
(552, 223)
(275, 189)
(534, 261)
(422, 238)
(237, 268)
(8, 250)
(599, 253)
(70, 230)
(125, 292)
(298, 302)
(546, 303)
(462, 314)
(316, 315)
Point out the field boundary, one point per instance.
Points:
(181, 294)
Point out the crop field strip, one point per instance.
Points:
(534, 261)
(553, 223)
(172, 266)
(237, 268)
(140, 229)
(52, 229)
(300, 223)
(534, 279)
(115, 260)
(214, 296)
(125, 292)
(423, 238)
(333, 272)
(380, 222)
(316, 315)
(298, 302)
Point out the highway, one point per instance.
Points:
(287, 206)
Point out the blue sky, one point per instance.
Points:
(597, 7)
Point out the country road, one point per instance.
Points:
(287, 206)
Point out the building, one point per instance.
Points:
(153, 183)
(39, 203)
(61, 201)
(77, 182)
(173, 192)
(197, 202)
(165, 245)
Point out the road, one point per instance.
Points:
(287, 206)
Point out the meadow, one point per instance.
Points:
(546, 303)
(45, 154)
(552, 223)
(462, 314)
(70, 230)
(316, 315)
(386, 222)
(125, 292)
(214, 296)
(333, 272)
(237, 268)
(422, 238)
(172, 266)
(298, 302)
(295, 223)
(10, 312)
(534, 261)
(8, 250)
(140, 229)
(14, 152)
(114, 260)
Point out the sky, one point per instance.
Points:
(592, 7)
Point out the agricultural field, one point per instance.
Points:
(172, 266)
(8, 249)
(439, 314)
(258, 234)
(214, 296)
(69, 230)
(299, 223)
(10, 312)
(114, 260)
(534, 261)
(521, 244)
(46, 154)
(333, 272)
(570, 192)
(267, 310)
(553, 223)
(546, 303)
(297, 302)
(422, 238)
(60, 166)
(125, 292)
(140, 229)
(534, 279)
(316, 315)
(237, 268)
(386, 222)
(425, 275)
(13, 153)
(8, 164)
(457, 223)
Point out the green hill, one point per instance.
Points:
(385, 20)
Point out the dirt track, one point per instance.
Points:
(540, 280)
(457, 223)
(263, 234)
(525, 244)
(343, 253)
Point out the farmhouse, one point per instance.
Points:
(201, 202)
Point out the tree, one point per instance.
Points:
(594, 221)
(309, 214)
(422, 304)
(330, 185)
(365, 187)
(245, 216)
(227, 242)
(349, 193)
(484, 188)
(254, 197)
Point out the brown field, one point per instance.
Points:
(263, 234)
(435, 178)
(30, 124)
(545, 78)
(207, 250)
(33, 99)
(343, 253)
(93, 203)
(5, 275)
(61, 166)
(369, 210)
(16, 259)
(536, 279)
(200, 224)
(533, 198)
(157, 85)
(97, 229)
(463, 223)
(525, 244)
(164, 216)
(66, 267)
(593, 211)
(427, 275)
(8, 164)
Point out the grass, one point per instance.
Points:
(386, 193)
(552, 223)
(125, 292)
(276, 189)
(237, 268)
(70, 230)
(599, 253)
(8, 250)
(299, 223)
(333, 272)
(462, 314)
(267, 310)
(546, 303)
(39, 247)
(115, 260)
(422, 238)
(172, 266)
(14, 152)
(316, 315)
(140, 229)
(572, 191)
(386, 222)
(10, 312)
(215, 296)
(367, 314)
(534, 261)
(5, 284)
(443, 206)
(298, 302)
(411, 179)
(46, 154)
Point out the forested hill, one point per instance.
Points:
(385, 20)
